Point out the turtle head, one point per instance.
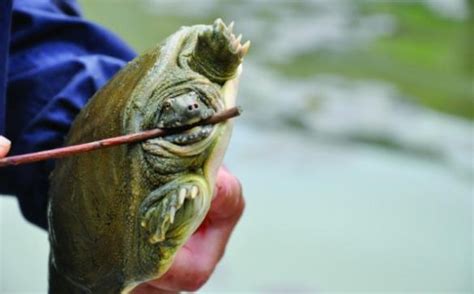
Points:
(195, 75)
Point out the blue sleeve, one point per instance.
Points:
(5, 22)
(57, 62)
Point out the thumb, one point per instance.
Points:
(4, 146)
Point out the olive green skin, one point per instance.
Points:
(109, 211)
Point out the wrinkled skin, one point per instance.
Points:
(117, 216)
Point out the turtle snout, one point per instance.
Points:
(183, 110)
(192, 106)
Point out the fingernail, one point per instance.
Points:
(224, 167)
(4, 142)
(4, 146)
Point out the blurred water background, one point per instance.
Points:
(355, 149)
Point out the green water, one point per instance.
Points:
(355, 150)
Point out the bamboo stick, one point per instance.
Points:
(114, 141)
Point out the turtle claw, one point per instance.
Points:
(172, 214)
(230, 27)
(194, 192)
(244, 49)
(157, 221)
(219, 25)
(145, 221)
(182, 196)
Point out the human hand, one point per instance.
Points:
(4, 146)
(197, 259)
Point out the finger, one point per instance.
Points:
(149, 289)
(228, 203)
(4, 146)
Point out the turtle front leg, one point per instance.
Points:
(218, 53)
(175, 210)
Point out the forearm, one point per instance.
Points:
(57, 62)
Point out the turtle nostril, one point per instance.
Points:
(193, 106)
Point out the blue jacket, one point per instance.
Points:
(51, 62)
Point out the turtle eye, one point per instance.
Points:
(166, 105)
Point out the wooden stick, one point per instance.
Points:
(114, 141)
